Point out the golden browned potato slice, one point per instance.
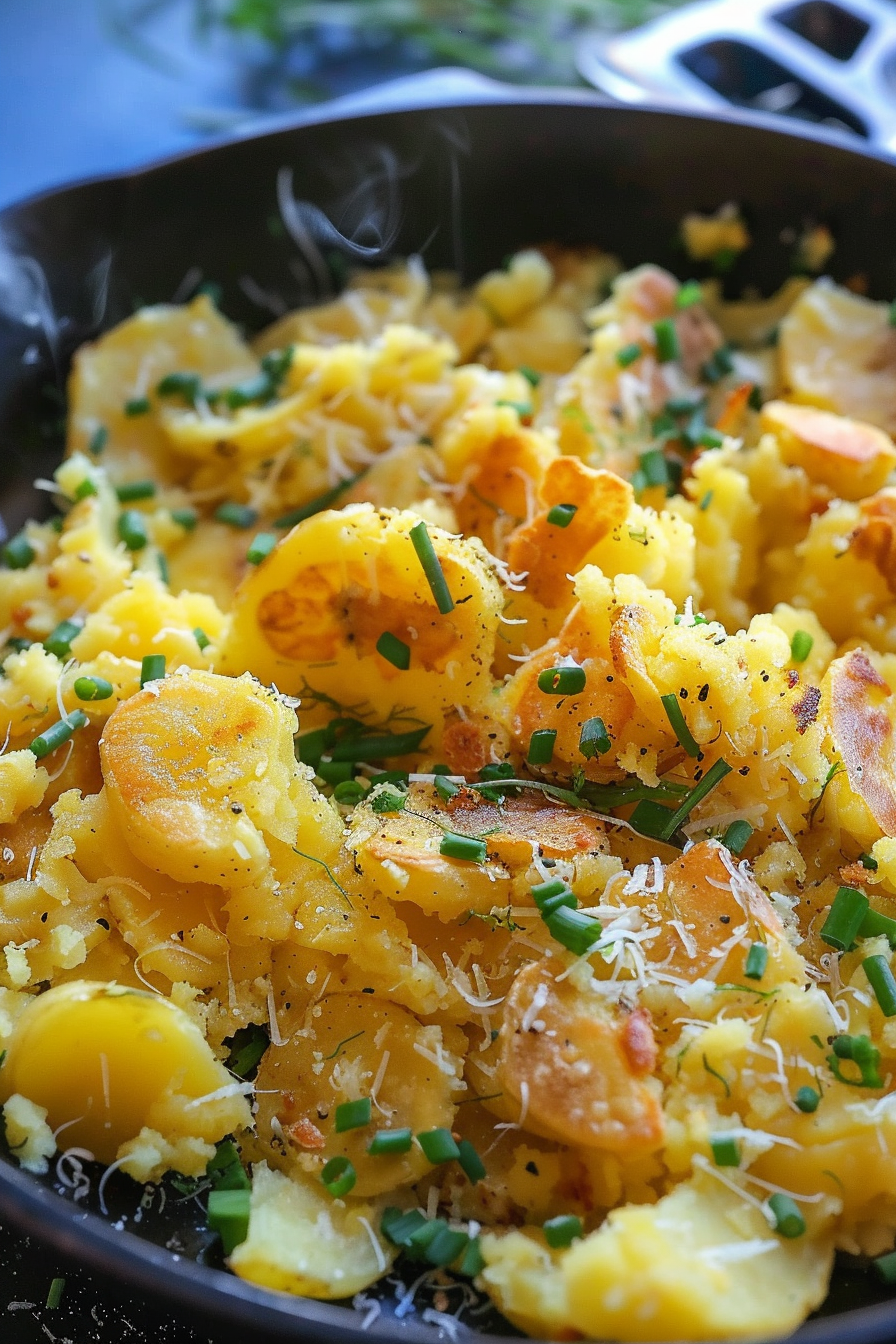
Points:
(549, 553)
(579, 1067)
(851, 457)
(315, 609)
(863, 711)
(399, 851)
(350, 1047)
(198, 767)
(838, 351)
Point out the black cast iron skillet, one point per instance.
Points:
(273, 220)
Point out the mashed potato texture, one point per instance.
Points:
(448, 792)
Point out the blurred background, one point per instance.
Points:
(89, 86)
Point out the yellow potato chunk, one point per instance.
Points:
(23, 784)
(511, 293)
(599, 1057)
(314, 611)
(303, 1241)
(851, 457)
(128, 363)
(352, 1046)
(198, 768)
(399, 851)
(116, 1061)
(838, 351)
(699, 1265)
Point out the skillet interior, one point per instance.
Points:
(463, 185)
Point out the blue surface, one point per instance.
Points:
(79, 98)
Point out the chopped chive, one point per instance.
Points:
(136, 406)
(789, 1222)
(57, 734)
(710, 438)
(388, 1142)
(348, 791)
(573, 930)
(247, 1046)
(164, 572)
(338, 1176)
(654, 468)
(18, 553)
(845, 917)
(132, 529)
(562, 900)
(628, 354)
(754, 401)
(201, 638)
(562, 1230)
(317, 505)
(186, 385)
(84, 490)
(257, 388)
(394, 650)
(801, 646)
(134, 490)
(868, 862)
(718, 366)
(438, 1146)
(667, 347)
(885, 1265)
(874, 924)
(562, 680)
(690, 293)
(432, 567)
(228, 1215)
(92, 688)
(59, 641)
(378, 746)
(541, 746)
(714, 775)
(756, 962)
(388, 801)
(807, 1099)
(226, 1170)
(152, 668)
(353, 1114)
(736, 836)
(679, 727)
(399, 1226)
(54, 1296)
(532, 376)
(543, 891)
(335, 772)
(185, 518)
(650, 818)
(445, 1245)
(862, 1053)
(522, 408)
(445, 788)
(561, 515)
(473, 1262)
(261, 547)
(594, 740)
(455, 846)
(98, 441)
(236, 515)
(725, 1152)
(705, 501)
(471, 1163)
(881, 980)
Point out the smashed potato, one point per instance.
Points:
(448, 789)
